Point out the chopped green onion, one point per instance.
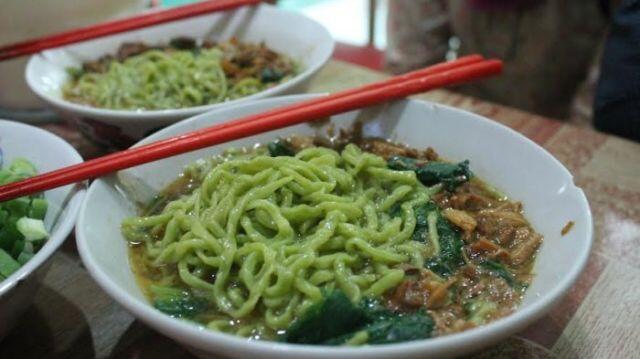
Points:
(32, 229)
(22, 231)
(22, 167)
(38, 208)
(8, 265)
(24, 257)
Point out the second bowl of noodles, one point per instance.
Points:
(121, 88)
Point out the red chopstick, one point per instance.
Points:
(117, 26)
(287, 116)
(462, 61)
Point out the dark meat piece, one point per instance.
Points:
(443, 200)
(524, 251)
(207, 44)
(242, 60)
(460, 219)
(469, 201)
(386, 149)
(100, 65)
(183, 43)
(429, 154)
(409, 294)
(299, 143)
(230, 68)
(129, 49)
(499, 225)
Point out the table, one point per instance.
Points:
(71, 317)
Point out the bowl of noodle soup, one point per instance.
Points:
(113, 107)
(109, 223)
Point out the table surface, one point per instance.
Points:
(71, 317)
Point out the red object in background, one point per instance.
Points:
(367, 56)
(119, 25)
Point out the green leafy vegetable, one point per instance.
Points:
(388, 327)
(271, 75)
(337, 321)
(279, 148)
(75, 72)
(177, 302)
(421, 232)
(400, 163)
(451, 175)
(449, 244)
(395, 211)
(331, 318)
(498, 269)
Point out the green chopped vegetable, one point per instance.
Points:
(38, 208)
(22, 230)
(451, 175)
(8, 265)
(22, 168)
(18, 247)
(9, 233)
(177, 302)
(24, 257)
(18, 207)
(32, 229)
(279, 148)
(447, 240)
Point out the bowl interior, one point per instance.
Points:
(310, 44)
(51, 152)
(496, 153)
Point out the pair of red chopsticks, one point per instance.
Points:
(444, 74)
(117, 26)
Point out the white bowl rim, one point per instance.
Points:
(57, 237)
(201, 337)
(126, 115)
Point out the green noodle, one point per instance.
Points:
(277, 231)
(158, 79)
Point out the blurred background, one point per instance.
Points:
(551, 47)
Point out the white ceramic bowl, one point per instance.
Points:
(506, 159)
(287, 32)
(47, 152)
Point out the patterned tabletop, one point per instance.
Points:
(71, 317)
